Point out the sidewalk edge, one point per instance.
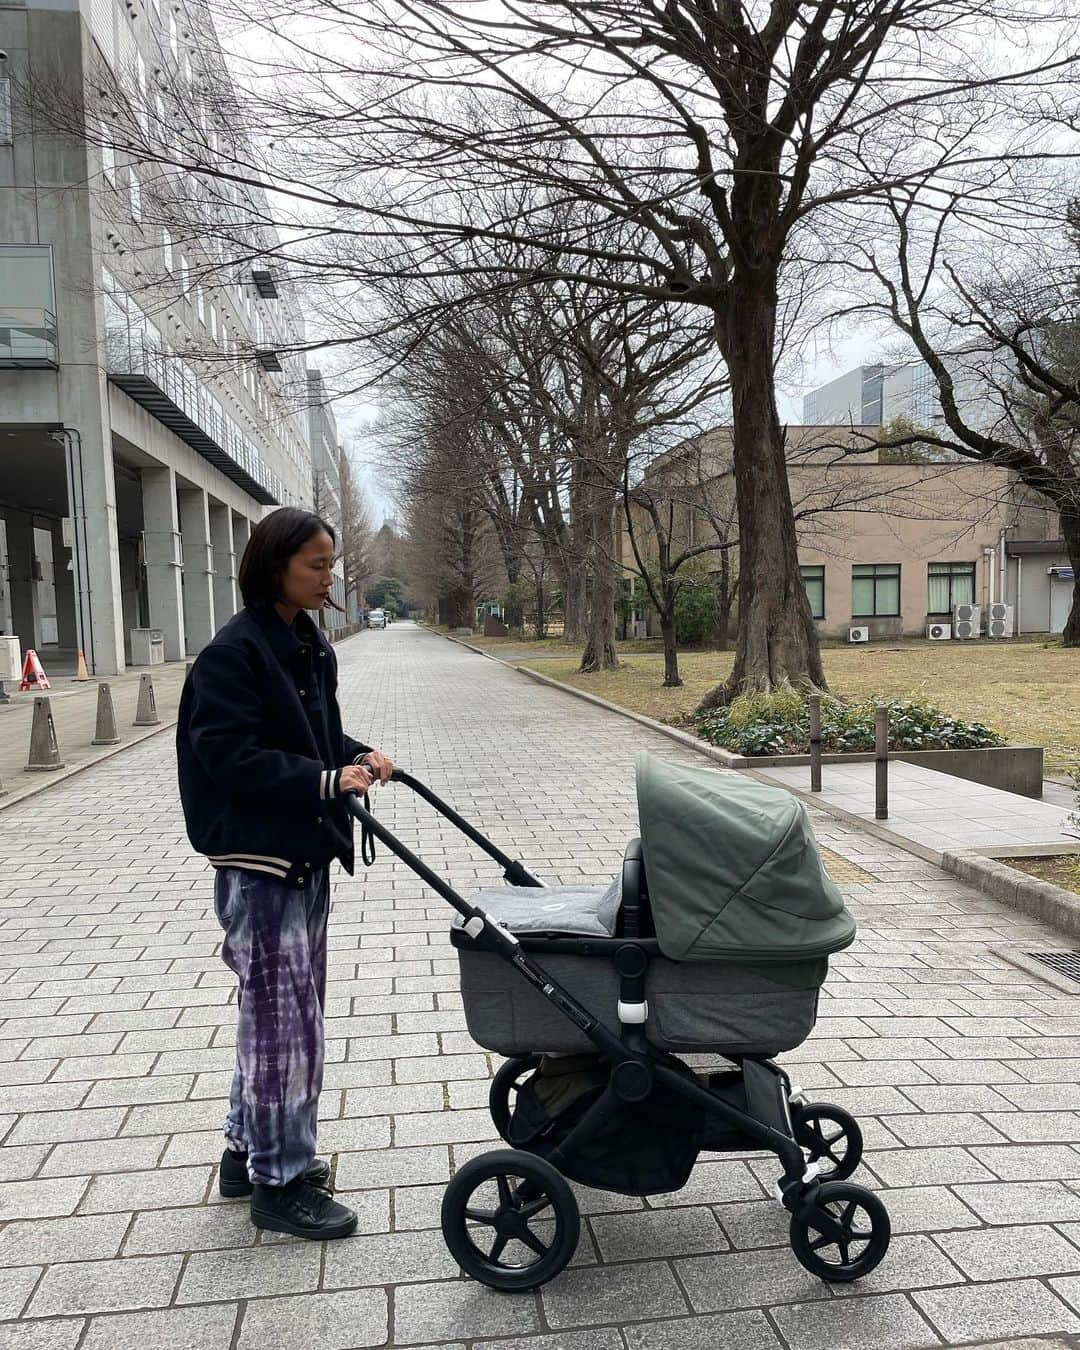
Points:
(1041, 899)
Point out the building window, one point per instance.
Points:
(814, 581)
(108, 155)
(809, 409)
(875, 590)
(136, 198)
(923, 396)
(5, 111)
(948, 585)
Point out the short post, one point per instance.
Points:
(815, 742)
(44, 750)
(146, 713)
(881, 761)
(105, 732)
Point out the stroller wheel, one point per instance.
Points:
(831, 1136)
(842, 1233)
(510, 1220)
(504, 1088)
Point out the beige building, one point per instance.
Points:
(889, 547)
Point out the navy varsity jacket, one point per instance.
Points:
(260, 749)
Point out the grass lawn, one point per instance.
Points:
(1028, 692)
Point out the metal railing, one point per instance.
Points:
(131, 354)
(28, 338)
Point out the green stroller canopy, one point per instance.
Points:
(733, 868)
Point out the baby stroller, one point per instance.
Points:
(714, 940)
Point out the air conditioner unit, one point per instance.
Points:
(939, 632)
(966, 621)
(858, 634)
(999, 621)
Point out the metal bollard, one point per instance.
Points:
(815, 742)
(881, 762)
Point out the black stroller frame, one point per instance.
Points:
(752, 1107)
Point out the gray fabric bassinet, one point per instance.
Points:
(745, 918)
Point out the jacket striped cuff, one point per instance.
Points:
(329, 784)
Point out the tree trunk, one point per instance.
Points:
(776, 643)
(599, 651)
(723, 634)
(1070, 529)
(672, 679)
(541, 608)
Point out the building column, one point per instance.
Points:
(25, 597)
(241, 529)
(198, 568)
(224, 560)
(64, 584)
(161, 551)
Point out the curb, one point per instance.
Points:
(1041, 899)
(1050, 904)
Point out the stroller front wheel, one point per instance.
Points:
(831, 1136)
(510, 1220)
(504, 1088)
(842, 1233)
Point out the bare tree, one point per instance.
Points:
(356, 532)
(1001, 339)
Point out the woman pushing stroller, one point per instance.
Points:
(264, 766)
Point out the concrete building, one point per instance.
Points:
(143, 427)
(326, 483)
(876, 395)
(889, 547)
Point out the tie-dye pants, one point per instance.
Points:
(275, 942)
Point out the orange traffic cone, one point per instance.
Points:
(81, 673)
(33, 673)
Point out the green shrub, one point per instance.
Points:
(779, 724)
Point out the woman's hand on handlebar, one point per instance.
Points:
(380, 764)
(356, 778)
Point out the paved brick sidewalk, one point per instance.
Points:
(116, 1048)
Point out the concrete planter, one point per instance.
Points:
(1012, 768)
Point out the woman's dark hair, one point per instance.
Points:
(273, 542)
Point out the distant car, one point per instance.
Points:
(377, 619)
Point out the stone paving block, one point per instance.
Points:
(445, 1127)
(250, 1272)
(912, 1262)
(56, 1127)
(54, 1334)
(1003, 1202)
(175, 1329)
(393, 1167)
(606, 1338)
(926, 1166)
(45, 1241)
(657, 1234)
(1011, 1253)
(1038, 1127)
(715, 1183)
(957, 1127)
(106, 1286)
(747, 1280)
(401, 1099)
(626, 1293)
(104, 1155)
(927, 1209)
(1069, 1290)
(341, 1321)
(459, 1308)
(881, 1322)
(1005, 1308)
(41, 1199)
(354, 1132)
(159, 1189)
(77, 1069)
(1047, 1162)
(15, 1288)
(19, 1161)
(194, 1229)
(390, 1258)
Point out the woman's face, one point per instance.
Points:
(306, 581)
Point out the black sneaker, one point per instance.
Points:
(302, 1210)
(233, 1180)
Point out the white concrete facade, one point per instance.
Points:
(139, 438)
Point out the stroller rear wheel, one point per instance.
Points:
(504, 1089)
(842, 1233)
(831, 1136)
(510, 1220)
